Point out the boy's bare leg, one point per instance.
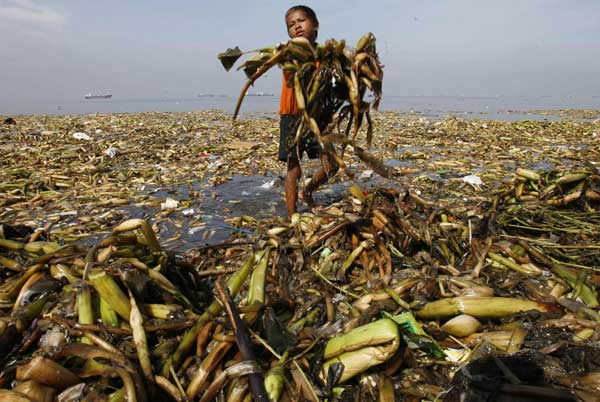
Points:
(291, 186)
(328, 167)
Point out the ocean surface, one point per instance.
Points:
(492, 107)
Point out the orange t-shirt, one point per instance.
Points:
(287, 101)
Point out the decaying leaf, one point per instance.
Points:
(229, 57)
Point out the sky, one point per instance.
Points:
(63, 49)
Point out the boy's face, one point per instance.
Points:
(299, 25)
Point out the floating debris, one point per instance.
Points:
(170, 204)
(460, 284)
(382, 288)
(588, 114)
(82, 136)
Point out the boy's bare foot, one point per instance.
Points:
(310, 202)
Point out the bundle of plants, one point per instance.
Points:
(330, 85)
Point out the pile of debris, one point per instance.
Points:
(383, 296)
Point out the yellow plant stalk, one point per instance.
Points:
(36, 247)
(47, 372)
(507, 341)
(362, 348)
(139, 337)
(26, 286)
(275, 379)
(162, 311)
(170, 388)
(237, 390)
(11, 244)
(11, 287)
(207, 367)
(10, 264)
(108, 314)
(234, 284)
(256, 291)
(85, 311)
(145, 228)
(386, 389)
(109, 290)
(478, 307)
(12, 396)
(528, 269)
(35, 391)
(58, 271)
(527, 174)
(357, 361)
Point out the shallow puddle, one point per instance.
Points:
(207, 210)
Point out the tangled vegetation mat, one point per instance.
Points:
(471, 274)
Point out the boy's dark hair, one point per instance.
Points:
(309, 12)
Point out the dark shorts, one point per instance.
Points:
(287, 133)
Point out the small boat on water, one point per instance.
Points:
(104, 96)
(259, 94)
(203, 95)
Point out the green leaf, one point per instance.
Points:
(254, 63)
(422, 342)
(413, 334)
(229, 57)
(251, 66)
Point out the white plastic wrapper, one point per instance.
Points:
(366, 174)
(81, 136)
(268, 185)
(169, 204)
(111, 152)
(474, 180)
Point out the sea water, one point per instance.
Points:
(484, 107)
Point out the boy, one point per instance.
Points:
(301, 21)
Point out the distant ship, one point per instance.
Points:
(90, 96)
(203, 95)
(260, 94)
